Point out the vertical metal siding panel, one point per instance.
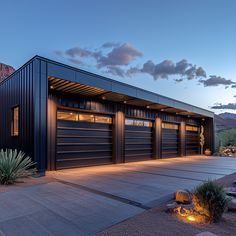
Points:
(15, 91)
(40, 112)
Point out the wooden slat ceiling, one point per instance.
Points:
(85, 90)
(72, 87)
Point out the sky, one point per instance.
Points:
(183, 49)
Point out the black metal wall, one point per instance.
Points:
(102, 106)
(27, 88)
(18, 90)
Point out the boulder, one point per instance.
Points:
(232, 205)
(183, 196)
(206, 233)
(230, 191)
(187, 206)
(171, 206)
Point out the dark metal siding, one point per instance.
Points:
(27, 87)
(18, 90)
(91, 104)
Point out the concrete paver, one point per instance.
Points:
(87, 200)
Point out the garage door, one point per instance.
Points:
(170, 140)
(192, 140)
(138, 140)
(83, 139)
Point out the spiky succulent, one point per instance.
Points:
(14, 165)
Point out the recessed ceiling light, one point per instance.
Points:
(148, 106)
(51, 87)
(103, 97)
(125, 101)
(162, 109)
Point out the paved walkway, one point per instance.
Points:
(87, 200)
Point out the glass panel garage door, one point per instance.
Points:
(83, 139)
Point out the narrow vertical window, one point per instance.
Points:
(15, 121)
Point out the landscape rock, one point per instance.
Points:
(230, 191)
(183, 196)
(171, 206)
(187, 206)
(206, 233)
(232, 205)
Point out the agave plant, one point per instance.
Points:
(14, 165)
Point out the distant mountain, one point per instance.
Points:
(228, 115)
(225, 120)
(5, 71)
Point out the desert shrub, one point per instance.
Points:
(14, 165)
(210, 200)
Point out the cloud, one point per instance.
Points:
(167, 68)
(118, 59)
(110, 45)
(115, 70)
(121, 55)
(216, 81)
(117, 55)
(77, 51)
(75, 61)
(58, 53)
(230, 106)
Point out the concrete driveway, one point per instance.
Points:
(84, 201)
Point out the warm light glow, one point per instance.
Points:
(191, 218)
(103, 97)
(125, 101)
(148, 106)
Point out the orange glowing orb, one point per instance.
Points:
(191, 218)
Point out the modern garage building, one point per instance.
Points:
(65, 117)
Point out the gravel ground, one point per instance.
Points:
(159, 223)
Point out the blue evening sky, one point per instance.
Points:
(201, 31)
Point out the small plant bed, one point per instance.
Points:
(15, 165)
(17, 171)
(206, 204)
(162, 221)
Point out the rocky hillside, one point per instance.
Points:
(5, 71)
(225, 120)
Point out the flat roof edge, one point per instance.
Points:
(176, 103)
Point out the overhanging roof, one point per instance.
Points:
(69, 79)
(82, 82)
